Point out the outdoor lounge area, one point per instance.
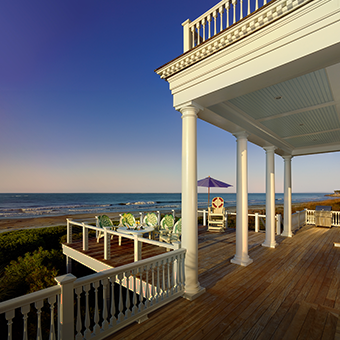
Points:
(290, 292)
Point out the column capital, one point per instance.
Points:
(189, 106)
(287, 157)
(241, 135)
(270, 148)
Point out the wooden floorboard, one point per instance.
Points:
(290, 292)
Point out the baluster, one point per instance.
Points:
(227, 12)
(141, 305)
(158, 284)
(87, 332)
(9, 317)
(264, 2)
(163, 280)
(198, 26)
(234, 10)
(105, 324)
(182, 270)
(152, 267)
(38, 306)
(24, 312)
(173, 277)
(169, 278)
(193, 36)
(248, 11)
(203, 25)
(134, 308)
(113, 319)
(215, 21)
(78, 324)
(209, 25)
(241, 9)
(128, 303)
(96, 327)
(52, 301)
(147, 302)
(256, 5)
(120, 305)
(221, 10)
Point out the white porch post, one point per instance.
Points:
(189, 200)
(270, 198)
(287, 210)
(241, 257)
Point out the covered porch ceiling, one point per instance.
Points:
(279, 83)
(299, 116)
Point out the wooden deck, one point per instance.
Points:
(290, 292)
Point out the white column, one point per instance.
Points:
(189, 200)
(270, 198)
(241, 257)
(287, 210)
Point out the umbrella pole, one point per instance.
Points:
(208, 196)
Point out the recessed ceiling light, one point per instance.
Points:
(278, 97)
(301, 124)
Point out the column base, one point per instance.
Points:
(193, 295)
(286, 234)
(241, 261)
(269, 245)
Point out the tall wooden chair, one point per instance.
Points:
(216, 215)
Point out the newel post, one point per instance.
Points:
(85, 238)
(66, 307)
(187, 44)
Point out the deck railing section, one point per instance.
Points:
(257, 216)
(335, 217)
(221, 16)
(100, 304)
(138, 241)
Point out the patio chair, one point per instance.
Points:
(166, 224)
(127, 220)
(216, 215)
(103, 222)
(173, 235)
(151, 220)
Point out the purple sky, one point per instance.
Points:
(81, 109)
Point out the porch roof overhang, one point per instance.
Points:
(280, 83)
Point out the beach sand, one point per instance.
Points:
(39, 222)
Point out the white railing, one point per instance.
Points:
(257, 216)
(215, 20)
(138, 240)
(299, 219)
(102, 307)
(335, 217)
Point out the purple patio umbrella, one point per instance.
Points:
(210, 182)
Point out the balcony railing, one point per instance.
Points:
(97, 305)
(223, 15)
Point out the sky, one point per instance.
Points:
(82, 110)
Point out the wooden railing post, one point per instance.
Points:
(85, 238)
(66, 307)
(137, 248)
(278, 224)
(204, 217)
(69, 231)
(186, 36)
(107, 245)
(256, 222)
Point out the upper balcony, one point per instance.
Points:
(271, 69)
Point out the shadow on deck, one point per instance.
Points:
(289, 292)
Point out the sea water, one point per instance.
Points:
(35, 205)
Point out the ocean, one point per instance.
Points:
(36, 205)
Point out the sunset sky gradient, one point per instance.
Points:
(81, 109)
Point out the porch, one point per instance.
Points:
(289, 292)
